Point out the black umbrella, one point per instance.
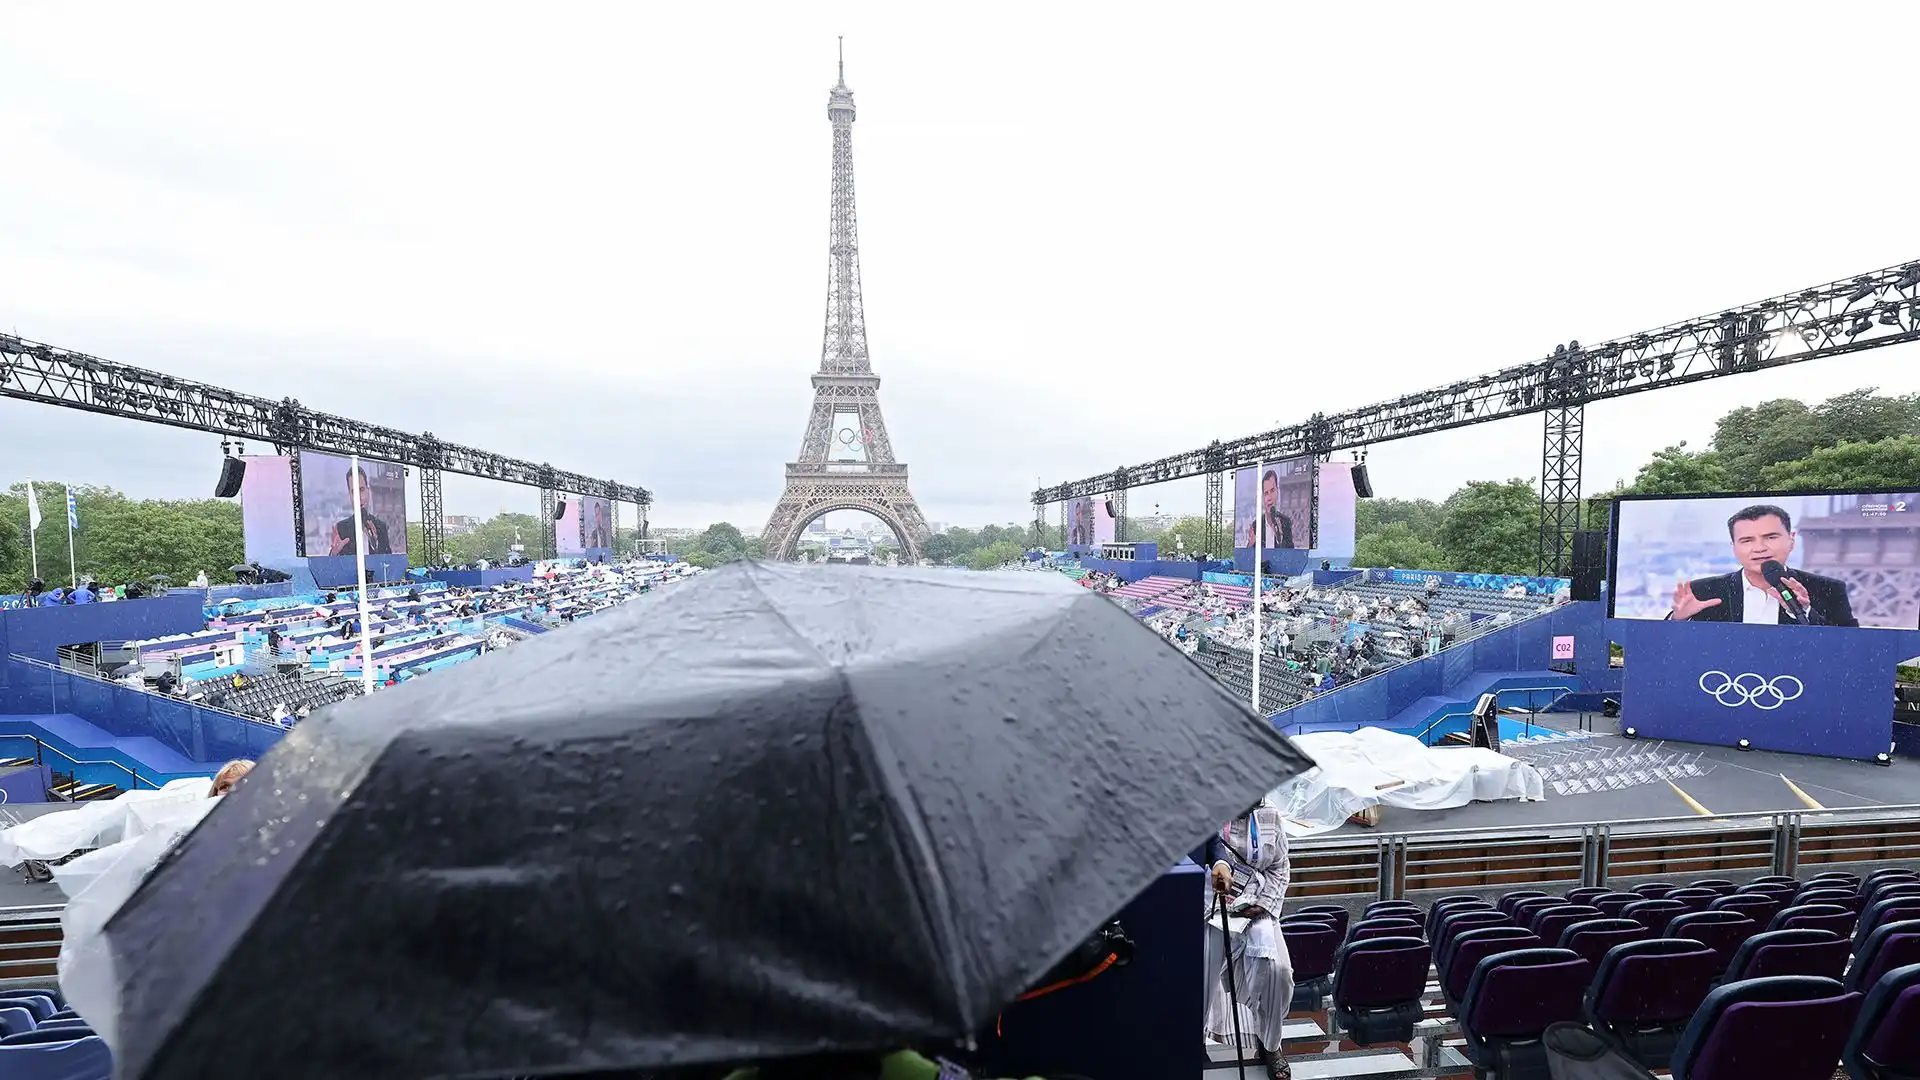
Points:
(775, 810)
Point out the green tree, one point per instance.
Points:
(938, 548)
(120, 540)
(1750, 438)
(986, 558)
(1678, 471)
(1186, 536)
(1491, 527)
(1420, 516)
(1397, 545)
(1888, 463)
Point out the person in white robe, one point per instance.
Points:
(1249, 865)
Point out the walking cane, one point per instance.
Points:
(1233, 992)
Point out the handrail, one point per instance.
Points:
(1689, 823)
(57, 669)
(1563, 691)
(42, 746)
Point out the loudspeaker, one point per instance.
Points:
(1362, 483)
(232, 471)
(559, 509)
(1589, 564)
(1110, 512)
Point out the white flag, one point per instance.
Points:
(33, 509)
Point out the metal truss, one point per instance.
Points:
(1560, 488)
(1119, 498)
(1852, 315)
(433, 519)
(549, 503)
(1217, 529)
(32, 371)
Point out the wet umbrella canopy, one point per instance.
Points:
(772, 811)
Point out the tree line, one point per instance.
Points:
(1860, 439)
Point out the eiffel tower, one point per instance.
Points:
(846, 459)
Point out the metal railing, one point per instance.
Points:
(54, 671)
(1393, 865)
(1558, 692)
(41, 748)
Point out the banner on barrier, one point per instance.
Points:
(1544, 586)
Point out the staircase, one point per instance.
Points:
(67, 789)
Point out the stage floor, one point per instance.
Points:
(1730, 782)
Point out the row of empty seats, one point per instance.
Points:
(1777, 979)
(295, 690)
(42, 1039)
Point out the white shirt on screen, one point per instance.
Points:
(1759, 606)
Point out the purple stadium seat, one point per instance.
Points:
(1312, 946)
(39, 1004)
(1511, 999)
(1551, 922)
(1780, 894)
(1879, 889)
(1694, 899)
(1717, 884)
(1789, 952)
(85, 1058)
(1339, 914)
(1654, 890)
(1722, 931)
(1614, 903)
(1754, 906)
(1846, 898)
(1377, 984)
(1473, 946)
(1789, 1028)
(1400, 908)
(1509, 899)
(1894, 945)
(1644, 992)
(1455, 922)
(1452, 903)
(1885, 1044)
(1816, 917)
(1892, 909)
(1654, 914)
(1520, 908)
(1775, 879)
(1386, 927)
(1592, 939)
(15, 1020)
(1846, 879)
(1585, 894)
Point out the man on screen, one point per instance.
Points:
(1279, 525)
(375, 529)
(597, 528)
(1763, 534)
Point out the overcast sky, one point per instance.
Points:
(1091, 235)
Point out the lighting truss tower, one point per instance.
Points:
(846, 457)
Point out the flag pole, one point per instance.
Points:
(73, 575)
(1259, 550)
(360, 572)
(33, 528)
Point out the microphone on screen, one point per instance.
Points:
(1776, 576)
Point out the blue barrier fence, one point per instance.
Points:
(1542, 586)
(193, 731)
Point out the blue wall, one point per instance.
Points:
(470, 579)
(203, 735)
(336, 571)
(1543, 586)
(1136, 569)
(1283, 561)
(39, 632)
(279, 590)
(1526, 646)
(1844, 677)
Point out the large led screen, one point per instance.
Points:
(327, 484)
(1814, 559)
(1281, 495)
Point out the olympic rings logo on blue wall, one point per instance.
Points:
(1748, 688)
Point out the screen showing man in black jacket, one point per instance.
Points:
(1763, 541)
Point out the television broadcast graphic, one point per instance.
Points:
(1079, 522)
(326, 495)
(596, 518)
(566, 529)
(1791, 559)
(1282, 493)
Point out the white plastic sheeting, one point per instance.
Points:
(1372, 767)
(97, 824)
